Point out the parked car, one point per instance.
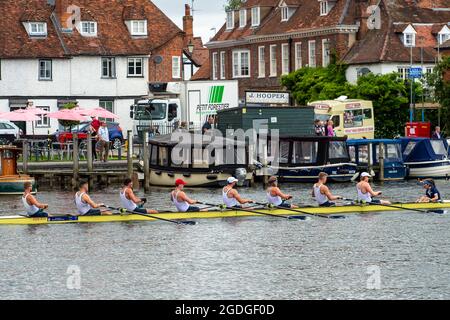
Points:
(115, 134)
(8, 132)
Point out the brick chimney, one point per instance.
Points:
(61, 12)
(363, 18)
(188, 23)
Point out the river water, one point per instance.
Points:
(400, 255)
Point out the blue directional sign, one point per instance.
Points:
(415, 73)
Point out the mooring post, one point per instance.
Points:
(25, 156)
(130, 153)
(146, 159)
(90, 160)
(381, 160)
(76, 162)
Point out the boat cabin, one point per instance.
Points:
(11, 182)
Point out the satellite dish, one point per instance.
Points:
(158, 59)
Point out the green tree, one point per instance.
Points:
(233, 4)
(65, 123)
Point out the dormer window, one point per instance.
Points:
(409, 37)
(242, 18)
(37, 29)
(443, 35)
(324, 8)
(256, 16)
(89, 28)
(138, 27)
(230, 20)
(284, 13)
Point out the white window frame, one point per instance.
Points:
(214, 65)
(256, 16)
(223, 65)
(285, 59)
(325, 53)
(262, 62)
(39, 31)
(176, 67)
(324, 8)
(45, 65)
(138, 27)
(91, 28)
(284, 13)
(230, 20)
(103, 104)
(110, 68)
(273, 61)
(403, 71)
(238, 63)
(242, 18)
(44, 121)
(406, 39)
(298, 55)
(135, 61)
(312, 58)
(442, 37)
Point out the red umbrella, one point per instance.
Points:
(99, 113)
(67, 114)
(20, 115)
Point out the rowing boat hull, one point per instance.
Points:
(352, 209)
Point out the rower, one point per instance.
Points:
(130, 202)
(277, 198)
(181, 201)
(322, 193)
(231, 197)
(85, 205)
(432, 194)
(366, 193)
(34, 208)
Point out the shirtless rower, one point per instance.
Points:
(322, 193)
(277, 198)
(129, 200)
(231, 197)
(85, 205)
(34, 208)
(366, 193)
(181, 201)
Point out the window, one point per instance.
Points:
(367, 114)
(135, 67)
(108, 67)
(285, 58)
(214, 66)
(325, 52)
(44, 121)
(353, 118)
(45, 70)
(284, 13)
(363, 154)
(255, 16)
(284, 152)
(442, 37)
(298, 55)
(38, 29)
(403, 72)
(338, 150)
(139, 27)
(312, 53)
(108, 105)
(410, 39)
(409, 147)
(324, 8)
(242, 18)
(305, 152)
(241, 64)
(176, 67)
(88, 28)
(261, 62)
(438, 147)
(273, 60)
(392, 152)
(222, 65)
(230, 20)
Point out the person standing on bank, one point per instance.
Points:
(330, 129)
(208, 125)
(94, 127)
(437, 134)
(34, 208)
(103, 136)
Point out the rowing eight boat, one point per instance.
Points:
(347, 209)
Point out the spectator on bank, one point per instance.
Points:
(330, 129)
(94, 127)
(208, 124)
(437, 133)
(319, 128)
(103, 139)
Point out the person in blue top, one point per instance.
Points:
(432, 194)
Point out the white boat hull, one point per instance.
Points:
(429, 169)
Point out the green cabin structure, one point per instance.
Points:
(290, 121)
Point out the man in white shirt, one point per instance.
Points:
(103, 136)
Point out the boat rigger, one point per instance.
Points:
(346, 209)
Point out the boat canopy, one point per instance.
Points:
(423, 149)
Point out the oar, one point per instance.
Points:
(303, 212)
(438, 211)
(123, 210)
(222, 206)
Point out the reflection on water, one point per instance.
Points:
(248, 258)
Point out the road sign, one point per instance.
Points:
(415, 73)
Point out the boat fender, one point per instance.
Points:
(211, 177)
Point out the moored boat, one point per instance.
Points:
(11, 182)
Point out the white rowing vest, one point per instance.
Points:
(275, 200)
(363, 196)
(31, 209)
(127, 203)
(82, 207)
(320, 197)
(182, 206)
(229, 202)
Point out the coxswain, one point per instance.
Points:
(34, 208)
(432, 194)
(366, 193)
(129, 200)
(85, 205)
(322, 193)
(231, 197)
(277, 198)
(181, 201)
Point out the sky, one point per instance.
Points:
(208, 14)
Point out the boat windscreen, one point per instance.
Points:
(392, 152)
(305, 152)
(338, 150)
(438, 147)
(409, 148)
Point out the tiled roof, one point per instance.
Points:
(445, 45)
(203, 72)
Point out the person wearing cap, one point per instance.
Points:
(129, 200)
(432, 194)
(277, 198)
(366, 193)
(322, 193)
(181, 201)
(231, 197)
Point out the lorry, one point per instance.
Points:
(185, 104)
